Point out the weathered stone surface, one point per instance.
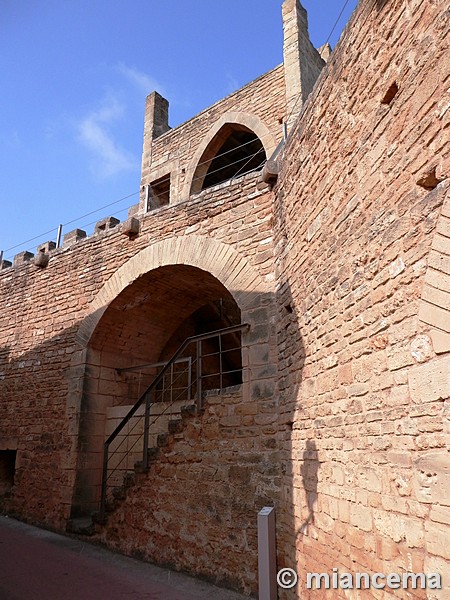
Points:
(73, 236)
(41, 259)
(46, 247)
(341, 271)
(22, 257)
(358, 265)
(106, 224)
(130, 227)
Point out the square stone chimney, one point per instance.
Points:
(302, 62)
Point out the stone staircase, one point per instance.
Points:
(92, 525)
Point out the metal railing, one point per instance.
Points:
(203, 362)
(140, 377)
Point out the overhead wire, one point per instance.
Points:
(320, 54)
(193, 168)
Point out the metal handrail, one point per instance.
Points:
(149, 365)
(197, 339)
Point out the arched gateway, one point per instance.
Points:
(174, 289)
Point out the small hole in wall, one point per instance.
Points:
(429, 181)
(380, 3)
(288, 308)
(290, 425)
(390, 94)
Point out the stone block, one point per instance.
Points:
(106, 224)
(130, 227)
(73, 236)
(41, 259)
(437, 536)
(440, 341)
(434, 315)
(22, 258)
(432, 478)
(361, 517)
(440, 514)
(46, 247)
(430, 382)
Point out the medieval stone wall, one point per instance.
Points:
(260, 105)
(346, 374)
(196, 509)
(362, 248)
(48, 311)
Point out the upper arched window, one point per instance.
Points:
(234, 151)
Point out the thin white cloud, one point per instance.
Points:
(232, 83)
(144, 82)
(11, 140)
(109, 158)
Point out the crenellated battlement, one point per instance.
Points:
(324, 249)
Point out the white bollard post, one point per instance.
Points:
(267, 555)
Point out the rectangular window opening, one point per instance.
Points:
(7, 470)
(159, 192)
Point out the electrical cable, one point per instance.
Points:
(101, 208)
(194, 168)
(323, 47)
(22, 244)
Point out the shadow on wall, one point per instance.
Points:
(309, 471)
(256, 475)
(213, 530)
(227, 464)
(215, 517)
(300, 456)
(34, 424)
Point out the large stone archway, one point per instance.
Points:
(251, 293)
(221, 260)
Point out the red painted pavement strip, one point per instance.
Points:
(39, 565)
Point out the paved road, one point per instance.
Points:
(36, 564)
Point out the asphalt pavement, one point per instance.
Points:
(36, 564)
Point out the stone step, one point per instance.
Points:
(110, 505)
(139, 467)
(162, 440)
(152, 454)
(99, 519)
(119, 492)
(129, 479)
(81, 526)
(188, 411)
(175, 426)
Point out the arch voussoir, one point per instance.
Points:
(223, 261)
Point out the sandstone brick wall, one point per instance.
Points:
(47, 312)
(342, 273)
(302, 62)
(261, 102)
(196, 510)
(362, 246)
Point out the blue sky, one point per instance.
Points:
(74, 77)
